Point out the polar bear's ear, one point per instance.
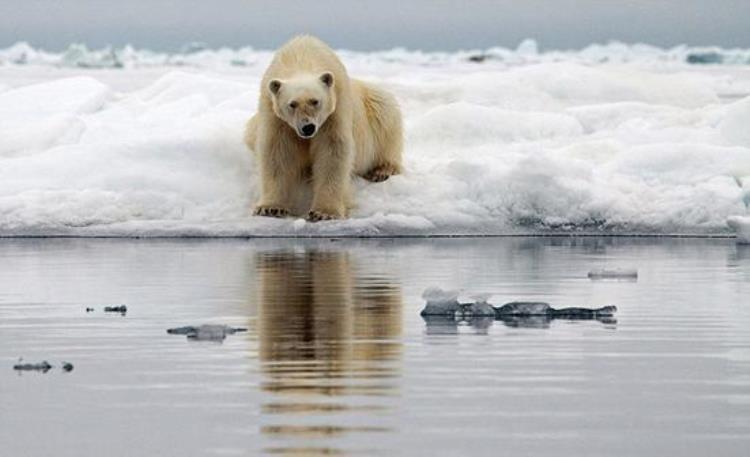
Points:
(327, 78)
(274, 86)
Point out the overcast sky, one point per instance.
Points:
(374, 24)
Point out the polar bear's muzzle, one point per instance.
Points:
(307, 130)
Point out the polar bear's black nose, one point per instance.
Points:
(308, 129)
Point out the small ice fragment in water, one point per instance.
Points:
(476, 309)
(585, 313)
(116, 309)
(523, 308)
(613, 273)
(182, 330)
(43, 366)
(445, 308)
(442, 305)
(445, 303)
(440, 302)
(206, 332)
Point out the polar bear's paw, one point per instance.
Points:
(380, 173)
(317, 216)
(270, 211)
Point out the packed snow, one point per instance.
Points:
(608, 139)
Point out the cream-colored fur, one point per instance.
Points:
(358, 131)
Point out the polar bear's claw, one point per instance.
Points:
(380, 173)
(317, 216)
(271, 211)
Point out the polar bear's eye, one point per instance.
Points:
(293, 105)
(314, 102)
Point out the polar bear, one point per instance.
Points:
(315, 124)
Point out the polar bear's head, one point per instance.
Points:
(304, 101)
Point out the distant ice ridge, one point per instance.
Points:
(548, 145)
(79, 55)
(200, 55)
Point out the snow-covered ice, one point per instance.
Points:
(444, 303)
(609, 139)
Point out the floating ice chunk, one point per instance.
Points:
(476, 309)
(440, 302)
(445, 305)
(43, 366)
(613, 273)
(206, 332)
(605, 312)
(122, 309)
(741, 225)
(520, 308)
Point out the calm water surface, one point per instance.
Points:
(337, 360)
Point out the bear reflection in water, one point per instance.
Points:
(329, 331)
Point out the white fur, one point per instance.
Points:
(358, 130)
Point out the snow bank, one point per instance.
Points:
(34, 118)
(558, 142)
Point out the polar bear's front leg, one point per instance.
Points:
(279, 176)
(332, 167)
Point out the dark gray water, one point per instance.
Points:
(337, 360)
